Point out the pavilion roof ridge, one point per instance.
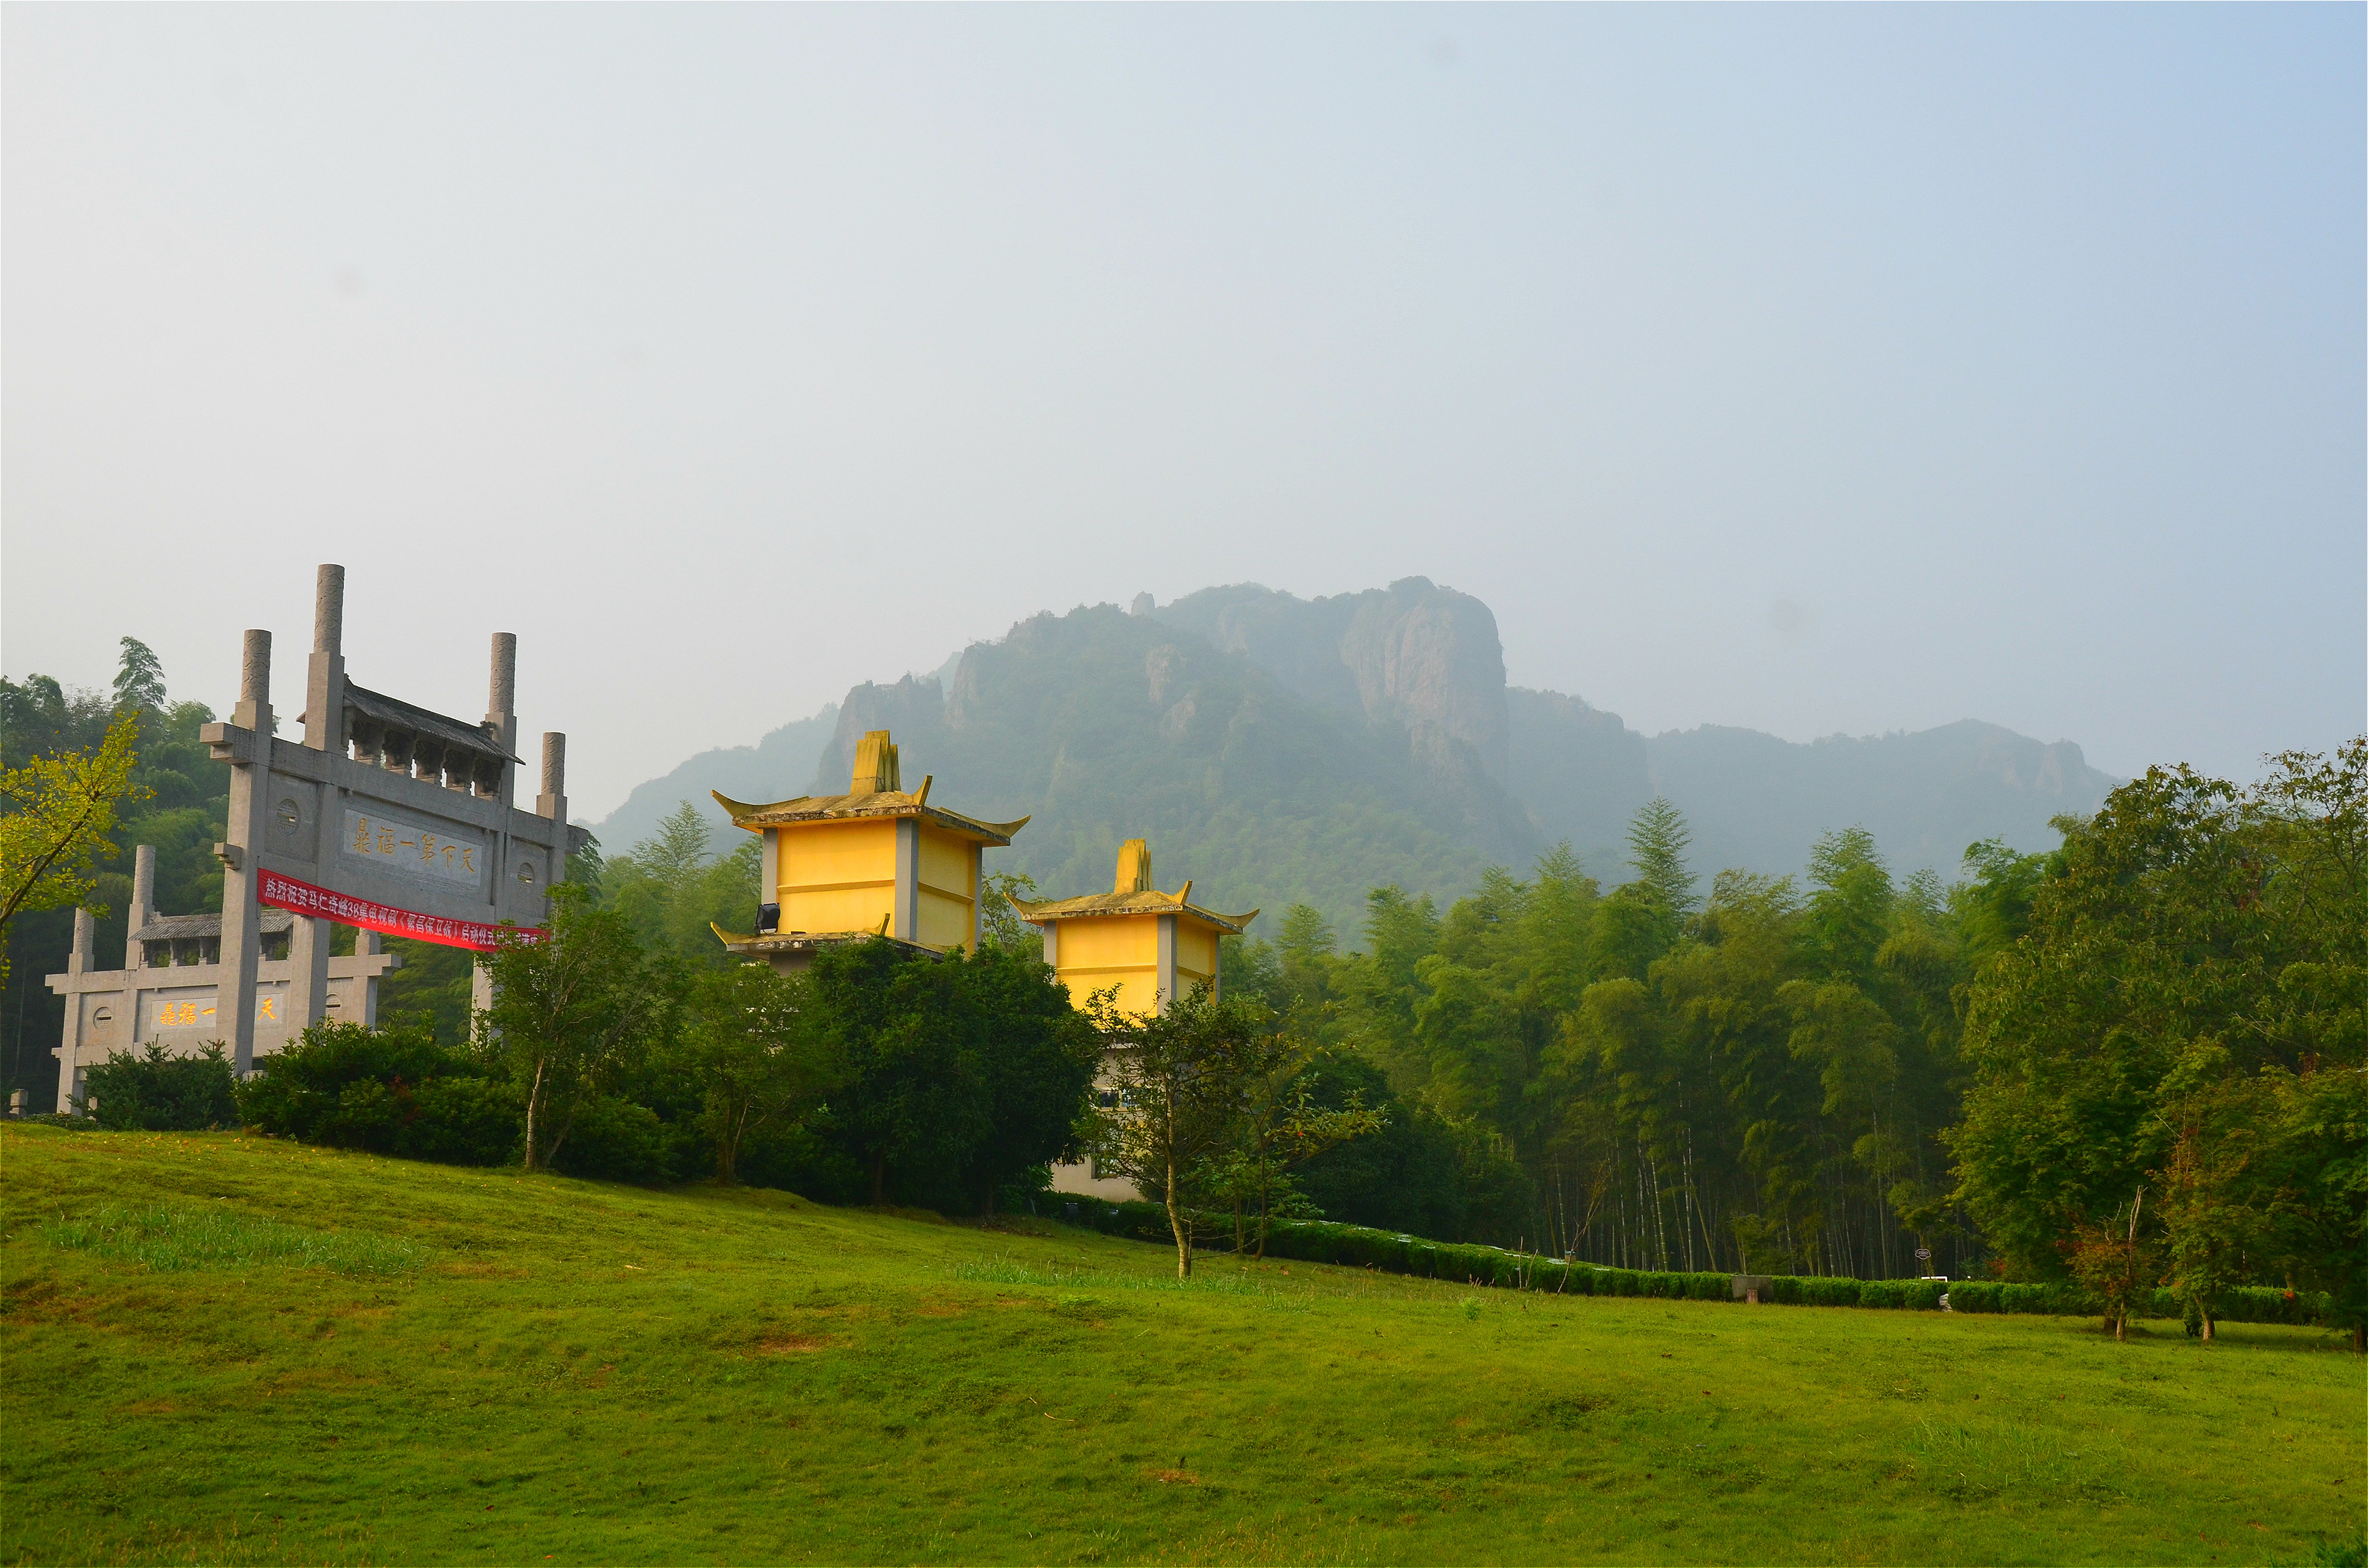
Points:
(862, 804)
(1147, 902)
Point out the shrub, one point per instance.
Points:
(151, 1092)
(388, 1091)
(615, 1139)
(464, 1121)
(2269, 1304)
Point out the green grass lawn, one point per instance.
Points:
(225, 1348)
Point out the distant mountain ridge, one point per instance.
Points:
(1279, 749)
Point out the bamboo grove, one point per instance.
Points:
(1767, 1074)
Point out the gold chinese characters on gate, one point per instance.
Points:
(394, 845)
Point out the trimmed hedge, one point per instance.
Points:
(1355, 1246)
(2245, 1303)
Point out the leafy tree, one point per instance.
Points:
(672, 888)
(2314, 1175)
(999, 925)
(2115, 1263)
(2183, 1018)
(1185, 1078)
(1657, 840)
(913, 1099)
(59, 812)
(1037, 1057)
(1405, 1176)
(758, 1053)
(574, 1003)
(1282, 1127)
(139, 679)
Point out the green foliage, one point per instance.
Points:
(576, 1005)
(390, 1091)
(1658, 839)
(179, 802)
(758, 1054)
(432, 991)
(55, 814)
(912, 1093)
(139, 678)
(149, 1091)
(672, 889)
(1037, 1056)
(999, 925)
(2187, 1012)
(1196, 1085)
(611, 1138)
(1643, 1077)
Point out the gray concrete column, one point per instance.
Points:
(144, 904)
(1167, 975)
(907, 904)
(324, 730)
(308, 972)
(481, 992)
(552, 802)
(79, 961)
(325, 685)
(501, 709)
(368, 943)
(242, 929)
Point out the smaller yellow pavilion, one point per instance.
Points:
(877, 861)
(1152, 946)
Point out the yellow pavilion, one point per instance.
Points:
(877, 861)
(1152, 946)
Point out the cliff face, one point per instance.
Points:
(1415, 655)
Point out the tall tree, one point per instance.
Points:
(1037, 1056)
(1657, 840)
(2195, 937)
(1185, 1078)
(760, 1055)
(574, 1003)
(912, 1102)
(139, 678)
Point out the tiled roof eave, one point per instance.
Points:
(832, 808)
(1116, 905)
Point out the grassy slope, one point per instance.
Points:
(588, 1372)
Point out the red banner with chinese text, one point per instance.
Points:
(303, 898)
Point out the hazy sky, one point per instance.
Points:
(1814, 369)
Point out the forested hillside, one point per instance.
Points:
(1280, 750)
